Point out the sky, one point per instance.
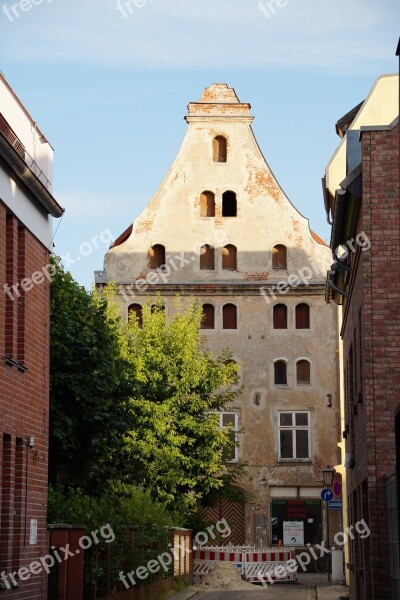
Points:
(109, 82)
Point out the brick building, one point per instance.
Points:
(26, 211)
(220, 229)
(362, 198)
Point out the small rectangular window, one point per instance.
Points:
(230, 420)
(294, 435)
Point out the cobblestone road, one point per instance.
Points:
(305, 590)
(292, 592)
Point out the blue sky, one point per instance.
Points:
(110, 92)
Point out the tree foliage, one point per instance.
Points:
(89, 411)
(136, 404)
(176, 446)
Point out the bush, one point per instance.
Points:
(139, 524)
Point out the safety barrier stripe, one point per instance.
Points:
(252, 564)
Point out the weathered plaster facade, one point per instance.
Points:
(264, 218)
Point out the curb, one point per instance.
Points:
(185, 595)
(336, 592)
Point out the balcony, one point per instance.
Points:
(14, 154)
(18, 146)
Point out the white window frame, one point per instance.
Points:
(235, 429)
(294, 428)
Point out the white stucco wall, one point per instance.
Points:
(12, 193)
(381, 107)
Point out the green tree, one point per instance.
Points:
(89, 388)
(176, 446)
(136, 404)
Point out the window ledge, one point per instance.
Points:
(11, 362)
(296, 461)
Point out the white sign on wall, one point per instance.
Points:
(33, 532)
(293, 533)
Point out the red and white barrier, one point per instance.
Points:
(205, 559)
(266, 565)
(269, 565)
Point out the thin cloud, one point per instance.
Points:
(81, 205)
(332, 34)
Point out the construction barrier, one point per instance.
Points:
(255, 565)
(204, 560)
(262, 566)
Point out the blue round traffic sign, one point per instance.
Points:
(326, 495)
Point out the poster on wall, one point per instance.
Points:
(293, 533)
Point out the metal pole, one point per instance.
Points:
(327, 540)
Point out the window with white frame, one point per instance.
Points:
(230, 420)
(294, 435)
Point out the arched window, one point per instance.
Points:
(157, 256)
(207, 204)
(207, 261)
(303, 371)
(229, 254)
(219, 149)
(136, 310)
(280, 316)
(229, 316)
(280, 372)
(229, 204)
(302, 316)
(279, 257)
(208, 321)
(156, 308)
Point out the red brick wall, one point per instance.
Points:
(24, 406)
(372, 330)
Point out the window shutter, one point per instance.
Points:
(302, 316)
(280, 316)
(229, 316)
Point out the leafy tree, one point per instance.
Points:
(136, 404)
(176, 446)
(88, 386)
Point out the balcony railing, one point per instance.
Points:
(18, 146)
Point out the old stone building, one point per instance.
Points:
(221, 229)
(362, 199)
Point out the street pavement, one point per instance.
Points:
(309, 588)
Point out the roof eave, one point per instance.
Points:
(29, 179)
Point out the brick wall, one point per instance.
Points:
(24, 406)
(371, 334)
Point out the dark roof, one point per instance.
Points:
(123, 237)
(344, 122)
